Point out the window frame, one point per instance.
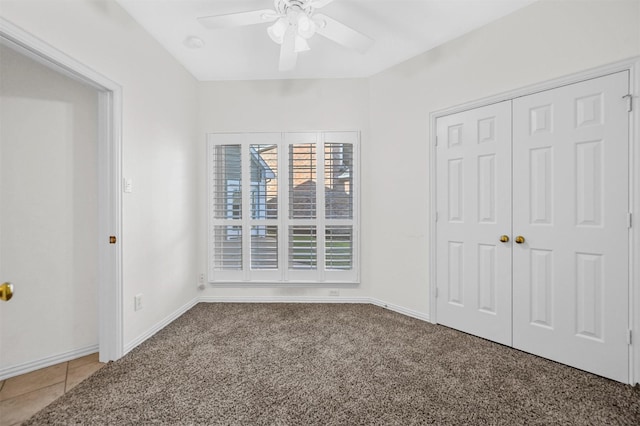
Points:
(284, 275)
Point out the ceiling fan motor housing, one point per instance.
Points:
(284, 6)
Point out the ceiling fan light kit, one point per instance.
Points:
(305, 26)
(277, 30)
(295, 23)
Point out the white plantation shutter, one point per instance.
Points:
(226, 204)
(283, 207)
(263, 163)
(338, 175)
(340, 230)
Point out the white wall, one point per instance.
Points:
(545, 40)
(49, 216)
(167, 113)
(278, 106)
(159, 146)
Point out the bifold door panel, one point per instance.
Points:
(570, 202)
(532, 231)
(474, 190)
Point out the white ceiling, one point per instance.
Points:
(401, 29)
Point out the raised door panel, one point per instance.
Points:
(541, 282)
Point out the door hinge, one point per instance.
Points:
(436, 216)
(629, 337)
(436, 141)
(436, 292)
(629, 220)
(629, 99)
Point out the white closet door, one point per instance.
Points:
(570, 186)
(474, 210)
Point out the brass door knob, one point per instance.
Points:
(519, 239)
(6, 291)
(504, 239)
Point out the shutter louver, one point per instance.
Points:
(339, 248)
(264, 247)
(227, 184)
(302, 247)
(338, 172)
(227, 247)
(264, 181)
(302, 181)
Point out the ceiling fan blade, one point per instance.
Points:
(288, 55)
(317, 4)
(231, 20)
(341, 34)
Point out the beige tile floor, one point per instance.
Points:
(23, 396)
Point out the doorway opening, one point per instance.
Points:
(106, 203)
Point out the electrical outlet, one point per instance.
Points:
(137, 302)
(201, 281)
(334, 293)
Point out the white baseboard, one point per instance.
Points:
(28, 367)
(283, 299)
(159, 326)
(401, 310)
(303, 299)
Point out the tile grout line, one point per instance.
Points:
(66, 379)
(22, 395)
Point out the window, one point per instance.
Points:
(283, 207)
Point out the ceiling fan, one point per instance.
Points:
(295, 23)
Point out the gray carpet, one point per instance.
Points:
(299, 364)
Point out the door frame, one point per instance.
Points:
(633, 66)
(110, 282)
